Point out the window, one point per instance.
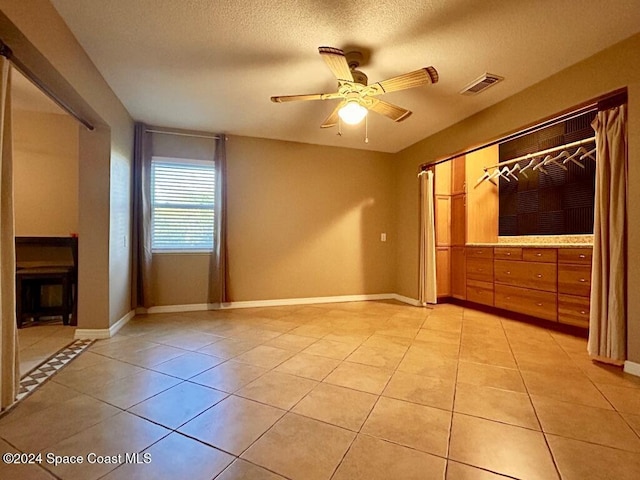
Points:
(182, 204)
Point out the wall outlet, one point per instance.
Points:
(383, 237)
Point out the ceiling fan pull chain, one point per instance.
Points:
(339, 127)
(366, 129)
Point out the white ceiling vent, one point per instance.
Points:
(481, 83)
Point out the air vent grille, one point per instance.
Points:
(481, 83)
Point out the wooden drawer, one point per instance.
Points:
(547, 255)
(530, 302)
(480, 292)
(538, 276)
(480, 252)
(573, 310)
(505, 253)
(480, 269)
(574, 279)
(581, 256)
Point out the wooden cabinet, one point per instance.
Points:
(458, 273)
(480, 292)
(524, 300)
(458, 220)
(546, 255)
(458, 183)
(537, 276)
(527, 281)
(574, 279)
(443, 220)
(574, 286)
(443, 270)
(507, 253)
(479, 268)
(573, 310)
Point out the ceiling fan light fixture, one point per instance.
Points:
(352, 113)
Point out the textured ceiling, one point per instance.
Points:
(212, 65)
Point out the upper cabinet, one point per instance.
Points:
(481, 199)
(458, 180)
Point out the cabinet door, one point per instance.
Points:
(458, 220)
(458, 273)
(443, 272)
(458, 175)
(443, 220)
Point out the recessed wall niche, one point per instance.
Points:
(559, 202)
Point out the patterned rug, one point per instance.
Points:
(48, 368)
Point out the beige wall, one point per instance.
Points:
(303, 221)
(45, 162)
(42, 41)
(611, 69)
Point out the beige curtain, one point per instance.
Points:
(608, 321)
(141, 291)
(9, 367)
(218, 271)
(428, 292)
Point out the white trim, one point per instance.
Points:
(191, 307)
(403, 299)
(632, 368)
(306, 301)
(100, 333)
(198, 307)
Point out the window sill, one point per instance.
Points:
(182, 252)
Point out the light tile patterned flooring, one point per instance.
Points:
(39, 341)
(372, 390)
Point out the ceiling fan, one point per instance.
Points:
(356, 97)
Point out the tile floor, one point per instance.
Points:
(371, 390)
(39, 341)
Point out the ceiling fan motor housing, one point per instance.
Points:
(359, 77)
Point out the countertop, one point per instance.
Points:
(540, 241)
(531, 245)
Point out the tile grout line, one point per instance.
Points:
(535, 411)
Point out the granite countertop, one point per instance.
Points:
(531, 245)
(540, 241)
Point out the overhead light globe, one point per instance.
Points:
(352, 113)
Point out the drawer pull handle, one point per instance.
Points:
(538, 254)
(539, 275)
(508, 273)
(582, 280)
(539, 304)
(582, 255)
(583, 312)
(508, 298)
(508, 254)
(480, 269)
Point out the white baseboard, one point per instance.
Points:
(632, 368)
(403, 299)
(199, 307)
(101, 333)
(306, 301)
(191, 307)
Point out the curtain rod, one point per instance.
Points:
(214, 137)
(6, 52)
(610, 100)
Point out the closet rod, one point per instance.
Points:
(6, 52)
(577, 143)
(180, 134)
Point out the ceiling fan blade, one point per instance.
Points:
(336, 61)
(312, 96)
(332, 119)
(418, 78)
(395, 113)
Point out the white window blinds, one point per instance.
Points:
(182, 204)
